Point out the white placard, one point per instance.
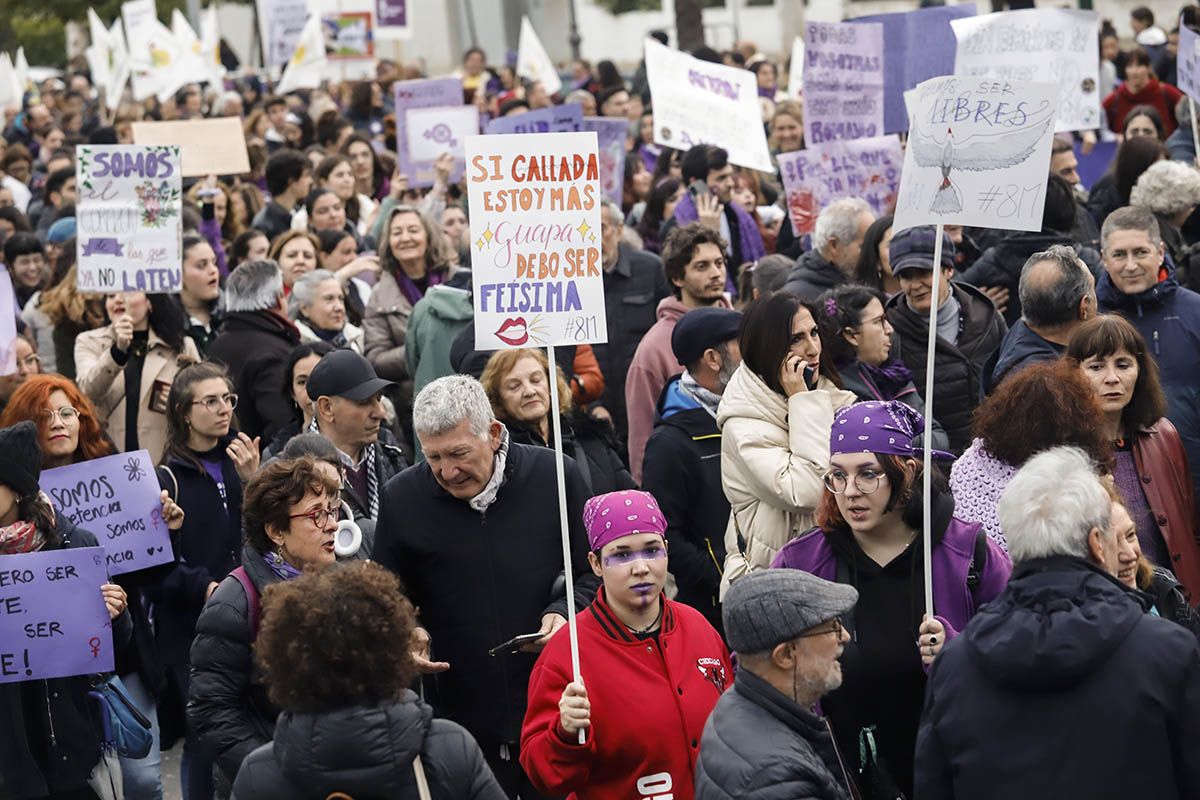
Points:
(843, 81)
(1050, 45)
(433, 131)
(535, 249)
(1188, 62)
(698, 102)
(978, 154)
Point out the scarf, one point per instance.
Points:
(889, 379)
(751, 240)
(335, 338)
(21, 537)
(707, 400)
(408, 287)
(372, 497)
(484, 499)
(282, 569)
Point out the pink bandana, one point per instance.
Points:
(610, 516)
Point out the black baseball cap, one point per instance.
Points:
(702, 328)
(344, 373)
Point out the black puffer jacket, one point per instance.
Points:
(228, 710)
(592, 443)
(812, 276)
(254, 345)
(959, 367)
(760, 745)
(367, 753)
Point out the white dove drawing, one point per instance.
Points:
(977, 152)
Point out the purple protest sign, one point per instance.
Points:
(814, 178)
(422, 94)
(53, 621)
(117, 499)
(611, 133)
(557, 119)
(843, 81)
(391, 13)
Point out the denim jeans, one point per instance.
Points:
(143, 776)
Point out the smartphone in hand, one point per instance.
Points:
(698, 188)
(515, 644)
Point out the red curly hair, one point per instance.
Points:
(30, 400)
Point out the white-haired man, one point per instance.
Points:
(473, 534)
(1063, 686)
(837, 241)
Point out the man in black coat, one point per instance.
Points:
(969, 330)
(254, 346)
(473, 533)
(634, 282)
(837, 241)
(682, 465)
(1064, 685)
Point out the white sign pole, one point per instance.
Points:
(560, 474)
(927, 538)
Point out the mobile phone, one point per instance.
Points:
(697, 188)
(514, 644)
(810, 378)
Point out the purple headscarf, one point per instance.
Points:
(878, 427)
(610, 516)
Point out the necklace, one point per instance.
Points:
(648, 628)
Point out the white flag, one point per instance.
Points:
(98, 52)
(210, 47)
(191, 59)
(305, 67)
(21, 67)
(795, 87)
(532, 60)
(11, 91)
(118, 66)
(160, 69)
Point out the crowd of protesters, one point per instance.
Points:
(367, 596)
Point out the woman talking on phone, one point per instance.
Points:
(642, 651)
(774, 418)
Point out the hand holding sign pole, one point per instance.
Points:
(978, 154)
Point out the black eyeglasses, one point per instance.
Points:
(837, 630)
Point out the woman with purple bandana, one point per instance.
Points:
(870, 520)
(652, 671)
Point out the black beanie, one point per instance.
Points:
(20, 458)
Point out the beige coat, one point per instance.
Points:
(774, 452)
(103, 381)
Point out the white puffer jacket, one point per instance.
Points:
(774, 451)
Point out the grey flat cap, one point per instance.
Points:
(771, 606)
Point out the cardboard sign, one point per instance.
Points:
(433, 131)
(917, 45)
(697, 102)
(53, 621)
(422, 94)
(535, 256)
(215, 146)
(978, 154)
(129, 219)
(843, 82)
(815, 177)
(1187, 63)
(556, 119)
(116, 498)
(1051, 45)
(611, 133)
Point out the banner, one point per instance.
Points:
(1187, 63)
(348, 35)
(1051, 45)
(917, 45)
(535, 215)
(843, 82)
(611, 133)
(533, 62)
(698, 102)
(128, 220)
(214, 146)
(978, 154)
(53, 621)
(433, 131)
(422, 94)
(815, 177)
(556, 119)
(280, 24)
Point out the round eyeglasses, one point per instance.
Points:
(866, 481)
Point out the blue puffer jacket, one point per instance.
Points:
(1168, 316)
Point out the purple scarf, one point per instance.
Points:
(649, 153)
(751, 240)
(409, 288)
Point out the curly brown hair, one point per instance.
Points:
(336, 638)
(1042, 406)
(274, 490)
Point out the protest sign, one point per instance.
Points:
(116, 498)
(53, 621)
(1051, 45)
(843, 81)
(978, 154)
(1094, 165)
(280, 24)
(917, 45)
(422, 94)
(815, 177)
(215, 146)
(8, 325)
(698, 102)
(128, 220)
(391, 18)
(1187, 63)
(556, 119)
(610, 135)
(433, 131)
(348, 35)
(533, 62)
(535, 218)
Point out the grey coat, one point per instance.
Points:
(759, 745)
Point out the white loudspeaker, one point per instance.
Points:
(348, 537)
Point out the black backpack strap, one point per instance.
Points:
(975, 569)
